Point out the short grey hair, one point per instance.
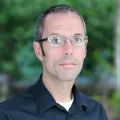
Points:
(54, 9)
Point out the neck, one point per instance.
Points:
(60, 90)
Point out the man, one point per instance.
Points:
(61, 46)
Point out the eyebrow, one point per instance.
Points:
(54, 34)
(63, 35)
(79, 34)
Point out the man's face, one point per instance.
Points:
(63, 63)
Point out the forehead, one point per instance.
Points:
(63, 23)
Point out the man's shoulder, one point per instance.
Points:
(17, 104)
(87, 98)
(18, 100)
(90, 102)
(94, 106)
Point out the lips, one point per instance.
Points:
(68, 63)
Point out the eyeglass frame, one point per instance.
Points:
(47, 39)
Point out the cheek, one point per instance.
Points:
(80, 54)
(50, 51)
(51, 58)
(53, 53)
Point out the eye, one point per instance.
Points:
(78, 39)
(56, 40)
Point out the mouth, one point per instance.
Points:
(67, 64)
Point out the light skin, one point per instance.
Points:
(61, 65)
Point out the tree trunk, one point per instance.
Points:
(117, 46)
(6, 85)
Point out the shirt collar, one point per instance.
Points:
(81, 100)
(44, 99)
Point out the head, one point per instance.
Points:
(64, 62)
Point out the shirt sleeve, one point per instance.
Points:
(1, 115)
(103, 115)
(5, 116)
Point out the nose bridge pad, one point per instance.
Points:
(69, 49)
(69, 39)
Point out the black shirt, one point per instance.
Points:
(36, 103)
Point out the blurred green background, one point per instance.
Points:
(17, 28)
(17, 33)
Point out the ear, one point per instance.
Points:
(85, 53)
(86, 42)
(37, 50)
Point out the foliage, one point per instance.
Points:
(115, 100)
(113, 103)
(17, 21)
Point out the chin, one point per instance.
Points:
(67, 77)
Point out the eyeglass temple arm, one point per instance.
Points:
(40, 41)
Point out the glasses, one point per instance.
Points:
(59, 40)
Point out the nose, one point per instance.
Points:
(68, 48)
